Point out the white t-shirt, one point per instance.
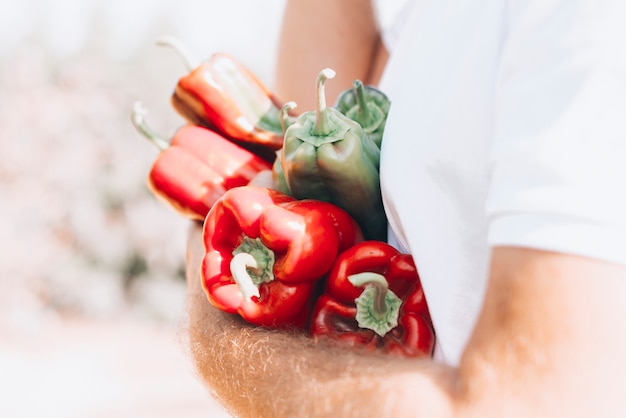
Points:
(507, 127)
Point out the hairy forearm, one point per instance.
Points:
(548, 343)
(245, 366)
(315, 34)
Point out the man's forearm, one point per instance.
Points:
(244, 366)
(534, 352)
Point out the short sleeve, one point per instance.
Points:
(558, 160)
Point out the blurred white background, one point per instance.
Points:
(91, 265)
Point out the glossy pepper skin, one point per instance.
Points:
(359, 280)
(222, 94)
(327, 156)
(266, 253)
(196, 167)
(367, 106)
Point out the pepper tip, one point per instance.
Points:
(289, 106)
(174, 43)
(138, 113)
(328, 73)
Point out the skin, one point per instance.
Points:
(549, 341)
(341, 35)
(547, 344)
(233, 358)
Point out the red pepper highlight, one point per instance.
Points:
(266, 252)
(374, 299)
(196, 167)
(222, 94)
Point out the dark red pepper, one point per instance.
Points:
(196, 167)
(374, 299)
(266, 252)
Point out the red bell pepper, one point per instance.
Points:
(374, 299)
(266, 252)
(196, 167)
(222, 94)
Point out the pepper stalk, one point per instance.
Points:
(252, 264)
(190, 61)
(378, 308)
(138, 117)
(321, 127)
(367, 106)
(285, 120)
(363, 113)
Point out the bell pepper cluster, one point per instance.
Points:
(308, 251)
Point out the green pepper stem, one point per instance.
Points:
(238, 268)
(321, 125)
(377, 308)
(284, 114)
(379, 283)
(360, 99)
(139, 121)
(190, 62)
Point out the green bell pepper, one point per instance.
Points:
(366, 105)
(327, 156)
